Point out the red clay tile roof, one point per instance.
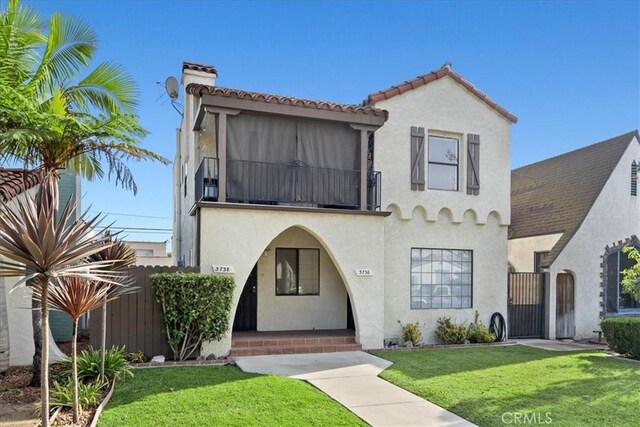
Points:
(199, 90)
(555, 195)
(199, 67)
(432, 76)
(16, 181)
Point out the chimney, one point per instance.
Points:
(198, 73)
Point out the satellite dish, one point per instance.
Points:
(172, 87)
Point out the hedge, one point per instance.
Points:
(623, 335)
(195, 308)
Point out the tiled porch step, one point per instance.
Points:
(294, 349)
(285, 342)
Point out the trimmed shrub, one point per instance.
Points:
(89, 394)
(478, 332)
(116, 366)
(449, 332)
(623, 335)
(195, 308)
(411, 332)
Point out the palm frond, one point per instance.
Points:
(108, 88)
(69, 48)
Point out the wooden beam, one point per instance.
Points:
(222, 156)
(364, 151)
(291, 110)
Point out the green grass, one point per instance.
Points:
(481, 384)
(219, 396)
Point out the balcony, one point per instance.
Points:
(295, 184)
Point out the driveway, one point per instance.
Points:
(351, 378)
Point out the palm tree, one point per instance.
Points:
(36, 247)
(52, 118)
(76, 297)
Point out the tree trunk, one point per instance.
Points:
(4, 329)
(44, 363)
(74, 371)
(37, 341)
(103, 343)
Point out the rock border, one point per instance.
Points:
(437, 346)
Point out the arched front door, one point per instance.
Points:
(565, 321)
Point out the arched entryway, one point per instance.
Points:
(565, 305)
(294, 301)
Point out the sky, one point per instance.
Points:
(570, 71)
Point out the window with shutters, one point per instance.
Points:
(634, 178)
(441, 278)
(297, 271)
(443, 163)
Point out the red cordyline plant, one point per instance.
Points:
(36, 247)
(123, 257)
(75, 297)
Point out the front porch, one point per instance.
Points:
(254, 343)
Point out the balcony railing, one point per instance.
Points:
(286, 184)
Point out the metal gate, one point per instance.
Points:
(526, 305)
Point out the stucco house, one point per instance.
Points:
(150, 253)
(342, 218)
(570, 217)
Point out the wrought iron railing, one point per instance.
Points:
(286, 184)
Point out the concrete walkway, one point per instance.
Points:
(351, 378)
(559, 345)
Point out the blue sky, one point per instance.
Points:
(570, 71)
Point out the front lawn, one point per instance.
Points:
(482, 384)
(219, 396)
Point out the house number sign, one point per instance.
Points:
(223, 269)
(364, 272)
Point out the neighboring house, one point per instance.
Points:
(570, 216)
(150, 253)
(334, 216)
(16, 327)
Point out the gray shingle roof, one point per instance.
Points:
(555, 195)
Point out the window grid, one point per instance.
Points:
(285, 272)
(441, 278)
(616, 300)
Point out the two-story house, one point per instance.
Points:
(338, 217)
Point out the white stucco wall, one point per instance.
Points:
(489, 245)
(444, 219)
(444, 107)
(521, 251)
(614, 216)
(305, 312)
(238, 237)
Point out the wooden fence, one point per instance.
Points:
(134, 320)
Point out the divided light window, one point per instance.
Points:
(441, 278)
(297, 271)
(617, 300)
(443, 163)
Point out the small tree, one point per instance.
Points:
(195, 308)
(122, 256)
(76, 297)
(36, 247)
(631, 276)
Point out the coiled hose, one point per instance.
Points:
(498, 327)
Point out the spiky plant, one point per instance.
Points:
(123, 257)
(36, 247)
(75, 297)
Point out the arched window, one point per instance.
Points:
(634, 178)
(616, 300)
